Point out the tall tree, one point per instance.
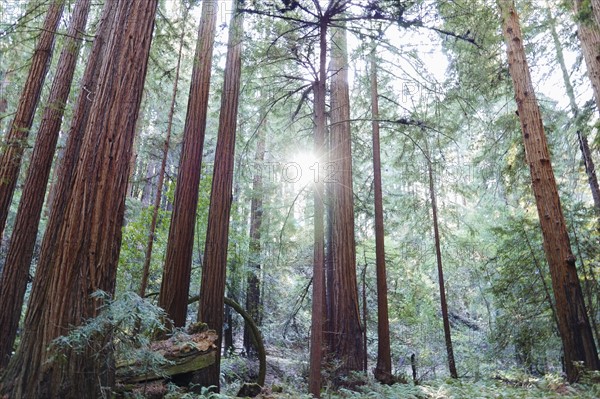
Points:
(256, 218)
(86, 252)
(573, 322)
(383, 370)
(318, 293)
(347, 343)
(212, 288)
(175, 286)
(16, 138)
(16, 266)
(438, 257)
(163, 165)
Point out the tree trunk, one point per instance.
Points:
(175, 285)
(588, 32)
(62, 189)
(163, 165)
(86, 253)
(347, 330)
(256, 217)
(318, 294)
(15, 140)
(438, 256)
(31, 351)
(212, 288)
(573, 323)
(16, 267)
(383, 370)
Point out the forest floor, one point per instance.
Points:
(286, 379)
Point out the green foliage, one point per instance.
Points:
(125, 324)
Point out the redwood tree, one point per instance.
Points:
(16, 139)
(175, 286)
(347, 338)
(212, 287)
(573, 323)
(86, 252)
(16, 266)
(383, 370)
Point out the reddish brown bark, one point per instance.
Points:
(87, 248)
(347, 345)
(161, 173)
(16, 267)
(573, 322)
(212, 288)
(383, 370)
(175, 286)
(15, 140)
(318, 294)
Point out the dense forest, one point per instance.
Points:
(299, 199)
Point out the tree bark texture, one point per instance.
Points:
(15, 140)
(383, 370)
(573, 322)
(212, 288)
(347, 344)
(15, 273)
(175, 285)
(87, 248)
(31, 350)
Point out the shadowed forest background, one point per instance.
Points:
(295, 199)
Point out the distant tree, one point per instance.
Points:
(256, 220)
(383, 370)
(573, 322)
(440, 268)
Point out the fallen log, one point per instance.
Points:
(183, 353)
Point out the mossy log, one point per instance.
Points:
(184, 352)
